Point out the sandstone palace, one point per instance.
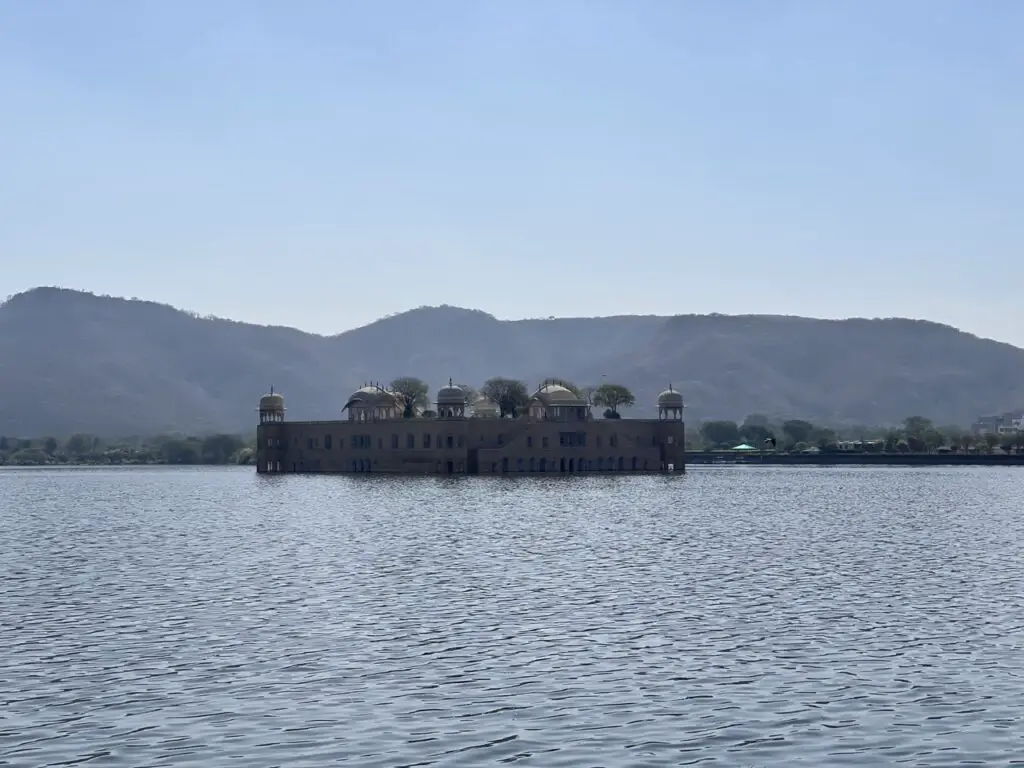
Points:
(553, 431)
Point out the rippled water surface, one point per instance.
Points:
(733, 616)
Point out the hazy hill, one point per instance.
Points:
(72, 361)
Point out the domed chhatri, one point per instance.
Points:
(670, 405)
(271, 407)
(556, 402)
(371, 402)
(451, 402)
(502, 430)
(485, 409)
(553, 392)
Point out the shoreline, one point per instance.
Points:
(863, 459)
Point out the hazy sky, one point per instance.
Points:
(323, 163)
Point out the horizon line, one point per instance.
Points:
(398, 313)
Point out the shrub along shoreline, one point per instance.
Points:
(90, 450)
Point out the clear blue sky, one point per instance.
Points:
(322, 163)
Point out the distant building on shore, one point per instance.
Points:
(556, 433)
(1008, 423)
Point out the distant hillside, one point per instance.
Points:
(72, 361)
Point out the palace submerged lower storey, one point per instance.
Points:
(475, 446)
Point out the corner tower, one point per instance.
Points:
(270, 434)
(670, 405)
(272, 408)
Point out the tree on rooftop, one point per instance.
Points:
(508, 394)
(613, 397)
(587, 394)
(412, 393)
(471, 393)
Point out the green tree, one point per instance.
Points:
(720, 433)
(412, 392)
(893, 438)
(825, 439)
(918, 430)
(510, 395)
(613, 397)
(50, 445)
(755, 420)
(4, 444)
(587, 394)
(82, 444)
(991, 441)
(29, 457)
(797, 430)
(754, 434)
(471, 394)
(176, 451)
(220, 449)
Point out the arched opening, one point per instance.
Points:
(571, 465)
(600, 463)
(327, 442)
(622, 464)
(519, 464)
(543, 465)
(533, 464)
(634, 464)
(561, 465)
(645, 465)
(504, 464)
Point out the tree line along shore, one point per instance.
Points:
(87, 449)
(916, 435)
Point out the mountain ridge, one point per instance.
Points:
(146, 367)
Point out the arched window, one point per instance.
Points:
(327, 442)
(504, 464)
(519, 464)
(634, 463)
(543, 465)
(622, 464)
(533, 464)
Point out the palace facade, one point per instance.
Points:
(555, 433)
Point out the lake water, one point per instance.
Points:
(734, 616)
